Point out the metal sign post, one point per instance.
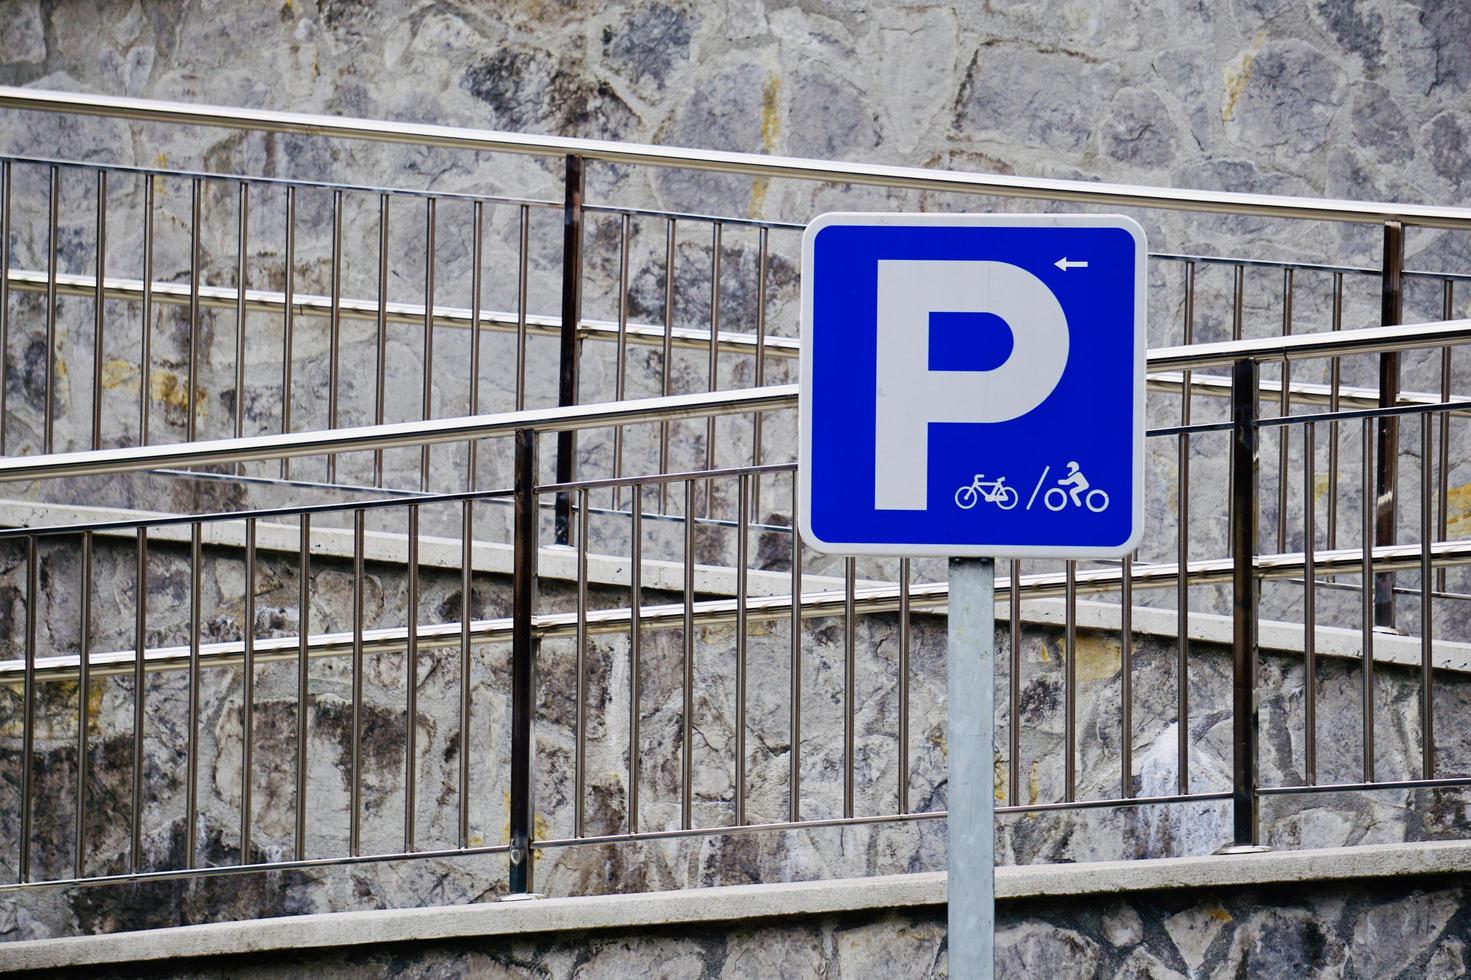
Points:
(972, 386)
(971, 885)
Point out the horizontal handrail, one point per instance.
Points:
(1307, 346)
(724, 161)
(397, 434)
(398, 312)
(658, 409)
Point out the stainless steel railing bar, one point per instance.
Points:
(303, 305)
(172, 173)
(1363, 340)
(398, 434)
(661, 409)
(753, 164)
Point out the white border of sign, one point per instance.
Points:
(804, 408)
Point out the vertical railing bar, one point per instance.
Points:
(242, 233)
(1014, 687)
(714, 368)
(687, 711)
(635, 638)
(850, 671)
(381, 368)
(1238, 302)
(196, 628)
(1309, 607)
(287, 322)
(247, 702)
(52, 260)
(145, 352)
(477, 248)
(743, 559)
(411, 685)
(523, 663)
(4, 297)
(1427, 680)
(620, 372)
(196, 271)
(1070, 684)
(28, 710)
(427, 411)
(84, 696)
(1448, 305)
(1284, 408)
(140, 646)
(303, 678)
(794, 708)
(523, 242)
(355, 790)
(1238, 297)
(467, 612)
(570, 344)
(467, 513)
(1367, 627)
(1182, 559)
(334, 329)
(905, 638)
(579, 759)
(1243, 531)
(666, 363)
(760, 377)
(1387, 452)
(1126, 679)
(1335, 372)
(99, 310)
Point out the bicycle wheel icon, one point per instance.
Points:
(966, 497)
(1008, 498)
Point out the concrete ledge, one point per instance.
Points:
(495, 558)
(727, 904)
(490, 557)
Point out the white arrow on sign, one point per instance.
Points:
(1065, 264)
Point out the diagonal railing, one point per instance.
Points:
(1375, 412)
(526, 628)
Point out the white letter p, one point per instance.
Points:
(910, 396)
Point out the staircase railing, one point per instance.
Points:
(529, 626)
(1377, 411)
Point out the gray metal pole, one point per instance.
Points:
(972, 828)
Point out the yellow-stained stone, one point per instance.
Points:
(118, 374)
(1098, 657)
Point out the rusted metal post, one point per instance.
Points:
(1243, 532)
(1386, 478)
(571, 321)
(523, 662)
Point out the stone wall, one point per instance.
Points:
(1334, 97)
(1083, 835)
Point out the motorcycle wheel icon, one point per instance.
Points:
(1005, 497)
(1056, 499)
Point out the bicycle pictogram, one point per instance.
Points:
(993, 492)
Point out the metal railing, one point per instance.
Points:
(530, 627)
(231, 197)
(685, 495)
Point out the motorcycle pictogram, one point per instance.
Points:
(1077, 492)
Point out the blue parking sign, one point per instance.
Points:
(972, 385)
